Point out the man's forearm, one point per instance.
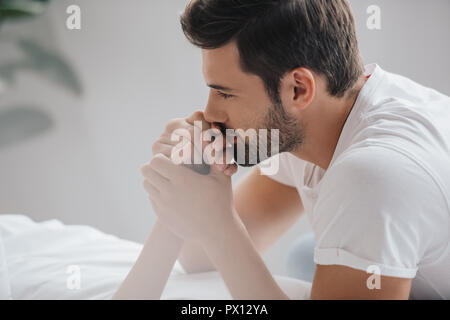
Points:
(149, 275)
(241, 266)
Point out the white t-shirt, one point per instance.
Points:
(384, 200)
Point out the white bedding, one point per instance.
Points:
(45, 261)
(5, 290)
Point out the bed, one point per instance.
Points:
(50, 260)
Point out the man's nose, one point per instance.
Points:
(213, 114)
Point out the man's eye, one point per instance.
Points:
(224, 95)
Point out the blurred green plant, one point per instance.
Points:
(16, 9)
(19, 123)
(37, 58)
(49, 65)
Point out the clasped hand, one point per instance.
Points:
(192, 205)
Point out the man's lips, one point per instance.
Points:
(223, 129)
(234, 139)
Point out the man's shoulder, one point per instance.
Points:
(369, 157)
(375, 187)
(380, 169)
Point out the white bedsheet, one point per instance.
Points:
(5, 290)
(45, 261)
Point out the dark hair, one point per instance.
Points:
(276, 36)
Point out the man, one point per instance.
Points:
(364, 154)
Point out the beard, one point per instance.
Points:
(260, 148)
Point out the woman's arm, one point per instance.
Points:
(149, 275)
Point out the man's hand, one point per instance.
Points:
(184, 128)
(188, 203)
(193, 206)
(200, 208)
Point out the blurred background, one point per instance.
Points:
(80, 109)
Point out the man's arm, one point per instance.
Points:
(232, 251)
(336, 282)
(267, 209)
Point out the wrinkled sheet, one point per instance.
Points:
(50, 260)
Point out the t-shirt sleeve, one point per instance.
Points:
(371, 213)
(278, 168)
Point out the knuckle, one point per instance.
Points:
(157, 158)
(184, 133)
(155, 146)
(191, 132)
(154, 161)
(144, 169)
(173, 124)
(146, 184)
(198, 114)
(170, 123)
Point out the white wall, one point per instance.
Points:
(137, 72)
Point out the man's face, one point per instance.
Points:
(238, 100)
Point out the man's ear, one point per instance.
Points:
(297, 91)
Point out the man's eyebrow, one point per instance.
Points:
(219, 87)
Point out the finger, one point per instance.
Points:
(212, 134)
(213, 145)
(151, 189)
(178, 123)
(186, 153)
(155, 178)
(180, 152)
(164, 166)
(227, 166)
(161, 147)
(179, 135)
(177, 132)
(223, 156)
(231, 169)
(197, 119)
(228, 154)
